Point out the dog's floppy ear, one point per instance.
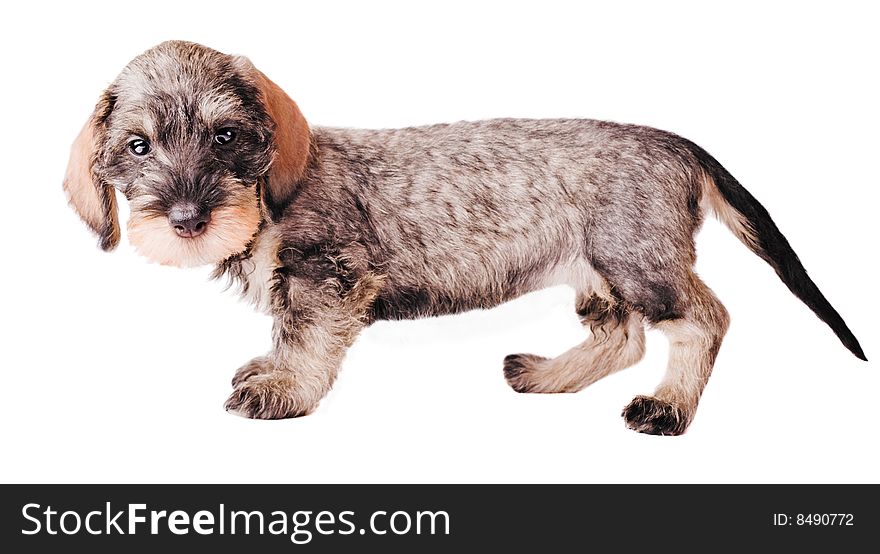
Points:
(292, 138)
(92, 198)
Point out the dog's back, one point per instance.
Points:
(470, 214)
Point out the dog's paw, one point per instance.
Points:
(519, 369)
(268, 396)
(653, 416)
(256, 366)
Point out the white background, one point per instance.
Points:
(116, 370)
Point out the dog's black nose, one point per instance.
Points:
(188, 219)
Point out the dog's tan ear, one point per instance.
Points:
(91, 198)
(292, 137)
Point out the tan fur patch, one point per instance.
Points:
(735, 221)
(259, 268)
(95, 206)
(231, 228)
(292, 138)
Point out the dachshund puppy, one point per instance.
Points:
(328, 230)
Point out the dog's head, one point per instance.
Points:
(202, 145)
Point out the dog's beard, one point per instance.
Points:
(232, 227)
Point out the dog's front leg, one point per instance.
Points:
(314, 326)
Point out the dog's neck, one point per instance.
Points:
(251, 271)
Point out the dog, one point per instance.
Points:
(329, 229)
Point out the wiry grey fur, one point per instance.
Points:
(416, 222)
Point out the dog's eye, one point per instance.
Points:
(224, 136)
(139, 147)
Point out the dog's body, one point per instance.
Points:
(329, 229)
(468, 215)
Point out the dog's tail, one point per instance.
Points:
(752, 225)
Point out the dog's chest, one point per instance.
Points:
(255, 273)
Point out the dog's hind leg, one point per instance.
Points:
(694, 339)
(617, 341)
